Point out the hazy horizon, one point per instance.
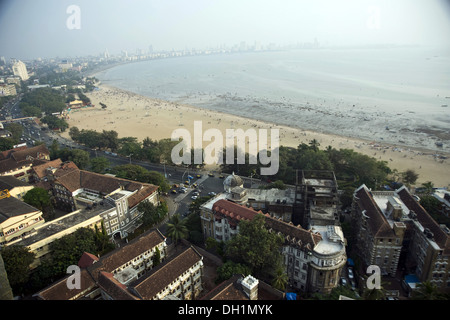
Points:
(47, 29)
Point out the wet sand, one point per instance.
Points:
(138, 116)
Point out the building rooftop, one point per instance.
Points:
(65, 222)
(332, 239)
(10, 182)
(11, 207)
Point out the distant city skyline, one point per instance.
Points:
(68, 28)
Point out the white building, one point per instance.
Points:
(20, 69)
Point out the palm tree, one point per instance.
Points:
(428, 187)
(314, 144)
(176, 228)
(280, 280)
(426, 291)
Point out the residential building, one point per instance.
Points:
(17, 219)
(130, 273)
(429, 249)
(16, 188)
(79, 189)
(394, 230)
(379, 240)
(317, 198)
(240, 287)
(40, 239)
(313, 258)
(8, 90)
(444, 198)
(20, 69)
(19, 161)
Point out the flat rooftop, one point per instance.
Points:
(65, 222)
(332, 239)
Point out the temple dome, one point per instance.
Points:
(232, 181)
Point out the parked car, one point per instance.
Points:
(194, 197)
(343, 281)
(211, 174)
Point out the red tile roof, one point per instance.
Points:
(233, 210)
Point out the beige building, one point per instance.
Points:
(16, 188)
(20, 69)
(96, 199)
(17, 219)
(129, 273)
(313, 258)
(8, 90)
(18, 162)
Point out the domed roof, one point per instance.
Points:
(232, 181)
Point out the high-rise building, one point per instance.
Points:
(19, 69)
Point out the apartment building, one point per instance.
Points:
(18, 162)
(131, 273)
(76, 189)
(20, 69)
(393, 224)
(16, 188)
(313, 258)
(17, 219)
(429, 249)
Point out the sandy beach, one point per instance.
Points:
(138, 116)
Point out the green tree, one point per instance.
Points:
(314, 144)
(280, 279)
(15, 129)
(176, 229)
(79, 157)
(99, 164)
(151, 214)
(6, 143)
(428, 186)
(427, 291)
(55, 122)
(68, 249)
(230, 268)
(17, 260)
(139, 173)
(255, 247)
(156, 257)
(40, 199)
(409, 177)
(5, 288)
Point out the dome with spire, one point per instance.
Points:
(232, 181)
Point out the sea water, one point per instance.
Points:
(355, 92)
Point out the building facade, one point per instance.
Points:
(18, 162)
(380, 241)
(20, 69)
(392, 226)
(17, 219)
(133, 272)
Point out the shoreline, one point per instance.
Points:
(134, 115)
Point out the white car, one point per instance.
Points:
(194, 197)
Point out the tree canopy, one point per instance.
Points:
(256, 247)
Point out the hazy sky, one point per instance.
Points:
(38, 28)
